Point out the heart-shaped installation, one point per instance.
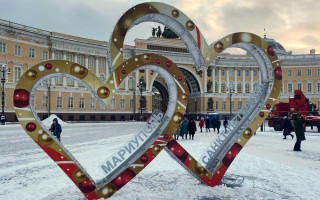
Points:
(127, 162)
(222, 151)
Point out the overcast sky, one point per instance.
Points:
(293, 23)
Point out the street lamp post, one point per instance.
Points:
(140, 101)
(3, 80)
(229, 92)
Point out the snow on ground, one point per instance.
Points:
(270, 168)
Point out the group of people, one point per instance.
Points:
(189, 127)
(298, 128)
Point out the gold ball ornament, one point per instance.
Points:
(31, 74)
(218, 47)
(197, 168)
(45, 139)
(190, 25)
(103, 92)
(107, 191)
(175, 13)
(78, 71)
(247, 133)
(79, 176)
(146, 58)
(156, 149)
(177, 118)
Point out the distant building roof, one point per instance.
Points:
(278, 48)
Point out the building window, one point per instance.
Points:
(299, 72)
(3, 47)
(130, 83)
(81, 60)
(309, 87)
(59, 102)
(318, 72)
(17, 50)
(239, 72)
(289, 87)
(230, 72)
(223, 105)
(17, 73)
(102, 61)
(232, 105)
(255, 86)
(69, 81)
(131, 103)
(255, 72)
(122, 104)
(58, 56)
(58, 80)
(217, 105)
(45, 55)
(92, 103)
(247, 87)
(70, 57)
(91, 62)
(215, 72)
(223, 86)
(101, 76)
(281, 90)
(247, 73)
(216, 86)
(318, 87)
(113, 104)
(70, 102)
(289, 72)
(45, 101)
(239, 87)
(239, 105)
(81, 102)
(231, 86)
(32, 53)
(222, 72)
(309, 72)
(299, 86)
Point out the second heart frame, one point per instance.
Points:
(158, 134)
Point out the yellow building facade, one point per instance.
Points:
(225, 84)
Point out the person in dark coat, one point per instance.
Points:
(192, 128)
(288, 128)
(56, 128)
(214, 124)
(218, 124)
(207, 124)
(225, 124)
(299, 130)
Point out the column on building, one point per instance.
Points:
(107, 70)
(213, 79)
(53, 53)
(127, 84)
(97, 65)
(76, 84)
(205, 81)
(251, 81)
(243, 80)
(235, 85)
(137, 79)
(86, 59)
(259, 75)
(147, 79)
(228, 85)
(219, 88)
(64, 79)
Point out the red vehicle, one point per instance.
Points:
(297, 104)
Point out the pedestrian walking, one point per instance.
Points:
(201, 123)
(218, 124)
(225, 124)
(299, 130)
(288, 128)
(207, 122)
(56, 128)
(177, 133)
(184, 128)
(192, 128)
(214, 124)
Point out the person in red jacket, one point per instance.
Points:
(201, 123)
